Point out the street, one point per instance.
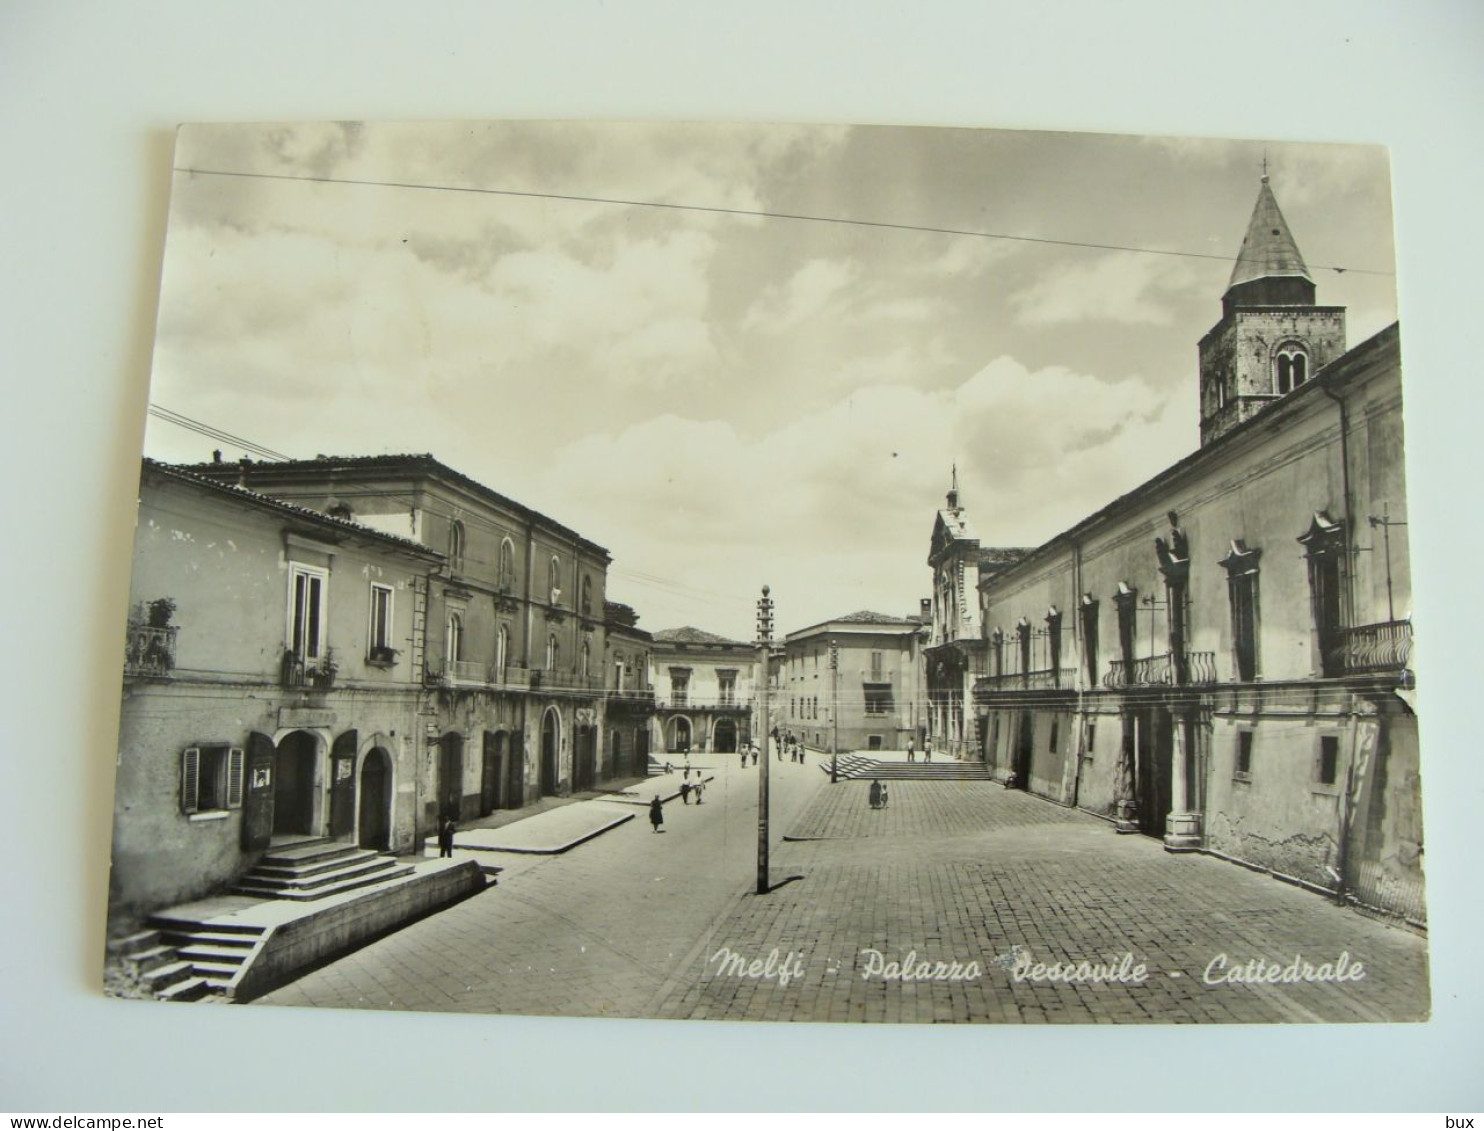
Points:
(959, 902)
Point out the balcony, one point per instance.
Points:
(296, 671)
(1162, 671)
(630, 696)
(1370, 648)
(149, 650)
(1046, 679)
(692, 703)
(564, 679)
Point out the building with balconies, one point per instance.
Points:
(628, 692)
(509, 637)
(1221, 657)
(854, 683)
(268, 693)
(705, 691)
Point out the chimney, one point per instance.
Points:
(216, 456)
(925, 609)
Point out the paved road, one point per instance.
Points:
(634, 924)
(968, 872)
(599, 930)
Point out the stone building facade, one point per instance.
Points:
(1221, 657)
(705, 691)
(860, 673)
(263, 697)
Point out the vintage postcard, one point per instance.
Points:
(780, 573)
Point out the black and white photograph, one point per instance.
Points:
(773, 572)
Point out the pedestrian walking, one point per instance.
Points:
(875, 795)
(754, 755)
(927, 750)
(656, 813)
(685, 792)
(446, 829)
(884, 797)
(911, 750)
(698, 790)
(687, 770)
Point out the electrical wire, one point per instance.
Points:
(750, 212)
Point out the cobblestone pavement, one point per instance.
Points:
(967, 872)
(598, 930)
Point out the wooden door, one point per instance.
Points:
(257, 794)
(343, 785)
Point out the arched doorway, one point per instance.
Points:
(450, 774)
(679, 735)
(294, 765)
(375, 829)
(551, 734)
(725, 741)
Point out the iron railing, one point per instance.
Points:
(1167, 670)
(149, 650)
(1382, 647)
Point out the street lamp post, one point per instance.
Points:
(764, 639)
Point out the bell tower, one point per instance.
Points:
(1272, 337)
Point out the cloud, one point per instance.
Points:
(817, 286)
(841, 500)
(1121, 287)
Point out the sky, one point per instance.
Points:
(721, 399)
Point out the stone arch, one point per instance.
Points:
(551, 751)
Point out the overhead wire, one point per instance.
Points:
(759, 213)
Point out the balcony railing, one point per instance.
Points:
(1042, 680)
(1162, 671)
(475, 673)
(637, 696)
(693, 703)
(1380, 647)
(149, 650)
(296, 671)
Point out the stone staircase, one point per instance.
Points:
(156, 968)
(215, 953)
(315, 869)
(854, 767)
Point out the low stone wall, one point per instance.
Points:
(294, 946)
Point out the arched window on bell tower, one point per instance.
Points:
(1290, 368)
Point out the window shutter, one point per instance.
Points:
(190, 779)
(234, 778)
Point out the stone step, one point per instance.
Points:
(222, 971)
(198, 953)
(189, 989)
(306, 854)
(167, 975)
(214, 937)
(133, 944)
(364, 879)
(370, 863)
(316, 865)
(145, 960)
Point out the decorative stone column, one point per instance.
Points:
(1183, 825)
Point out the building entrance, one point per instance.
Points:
(726, 737)
(293, 784)
(375, 829)
(550, 745)
(1154, 751)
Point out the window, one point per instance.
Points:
(1023, 642)
(380, 637)
(210, 779)
(1241, 582)
(1325, 546)
(454, 643)
(1328, 770)
(878, 699)
(1092, 740)
(456, 546)
(1089, 612)
(876, 667)
(587, 596)
(554, 578)
(506, 580)
(502, 649)
(585, 659)
(1053, 640)
(553, 651)
(307, 586)
(1127, 602)
(1292, 366)
(727, 687)
(679, 688)
(997, 652)
(1244, 755)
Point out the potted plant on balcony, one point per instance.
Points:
(383, 655)
(160, 612)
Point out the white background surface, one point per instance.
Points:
(88, 97)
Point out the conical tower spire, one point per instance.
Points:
(1269, 250)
